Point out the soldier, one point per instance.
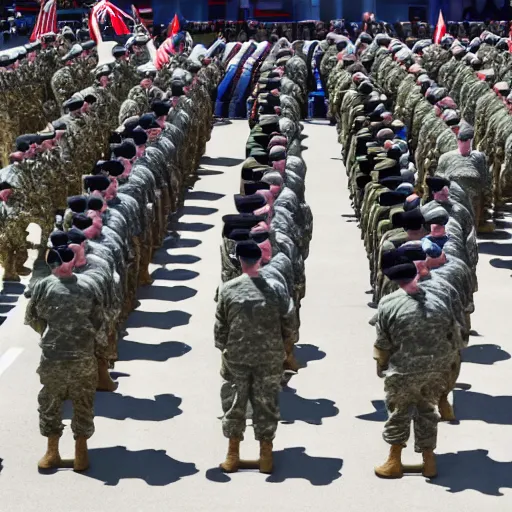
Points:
(252, 325)
(69, 318)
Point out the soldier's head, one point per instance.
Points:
(436, 219)
(149, 123)
(274, 180)
(405, 275)
(61, 261)
(440, 188)
(465, 138)
(435, 255)
(126, 152)
(250, 256)
(77, 245)
(5, 191)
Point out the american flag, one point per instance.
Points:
(46, 21)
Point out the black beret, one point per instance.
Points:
(160, 108)
(252, 174)
(126, 149)
(115, 138)
(59, 239)
(277, 153)
(436, 215)
(436, 184)
(248, 250)
(362, 180)
(395, 153)
(59, 124)
(23, 142)
(95, 203)
(391, 182)
(129, 125)
(4, 185)
(239, 235)
(252, 188)
(81, 221)
(139, 136)
(243, 221)
(76, 236)
(247, 204)
(113, 167)
(391, 199)
(269, 124)
(410, 220)
(466, 131)
(365, 87)
(75, 103)
(403, 272)
(88, 45)
(98, 182)
(260, 155)
(260, 236)
(365, 165)
(98, 167)
(90, 98)
(412, 252)
(148, 121)
(177, 89)
(118, 51)
(53, 258)
(77, 204)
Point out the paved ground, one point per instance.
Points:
(158, 439)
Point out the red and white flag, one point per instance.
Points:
(46, 21)
(115, 15)
(440, 30)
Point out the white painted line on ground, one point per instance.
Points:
(9, 357)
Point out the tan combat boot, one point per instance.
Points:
(429, 464)
(81, 462)
(266, 459)
(51, 458)
(232, 462)
(446, 409)
(105, 383)
(392, 468)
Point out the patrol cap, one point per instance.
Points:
(252, 188)
(148, 121)
(81, 221)
(436, 184)
(277, 153)
(95, 203)
(76, 236)
(77, 204)
(248, 250)
(403, 272)
(59, 239)
(98, 182)
(126, 149)
(466, 131)
(248, 204)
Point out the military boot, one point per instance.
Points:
(266, 459)
(105, 383)
(429, 464)
(446, 409)
(392, 468)
(232, 462)
(81, 462)
(51, 458)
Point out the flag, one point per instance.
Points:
(509, 40)
(174, 27)
(440, 30)
(116, 16)
(46, 21)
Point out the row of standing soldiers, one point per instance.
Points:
(102, 241)
(263, 252)
(419, 192)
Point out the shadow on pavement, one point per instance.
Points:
(9, 295)
(121, 407)
(473, 470)
(134, 351)
(470, 405)
(166, 293)
(501, 263)
(495, 249)
(164, 320)
(198, 210)
(196, 227)
(294, 463)
(173, 241)
(306, 353)
(155, 467)
(221, 161)
(484, 354)
(296, 408)
(176, 274)
(162, 257)
(200, 195)
(379, 414)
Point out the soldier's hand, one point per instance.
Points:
(381, 370)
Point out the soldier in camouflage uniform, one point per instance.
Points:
(252, 325)
(70, 343)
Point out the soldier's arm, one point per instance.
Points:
(32, 317)
(98, 321)
(289, 321)
(221, 329)
(383, 345)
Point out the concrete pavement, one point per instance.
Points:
(158, 441)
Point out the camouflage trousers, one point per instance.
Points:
(414, 397)
(67, 380)
(259, 385)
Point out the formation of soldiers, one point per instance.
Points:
(117, 171)
(420, 192)
(263, 252)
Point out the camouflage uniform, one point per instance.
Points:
(70, 344)
(253, 321)
(422, 341)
